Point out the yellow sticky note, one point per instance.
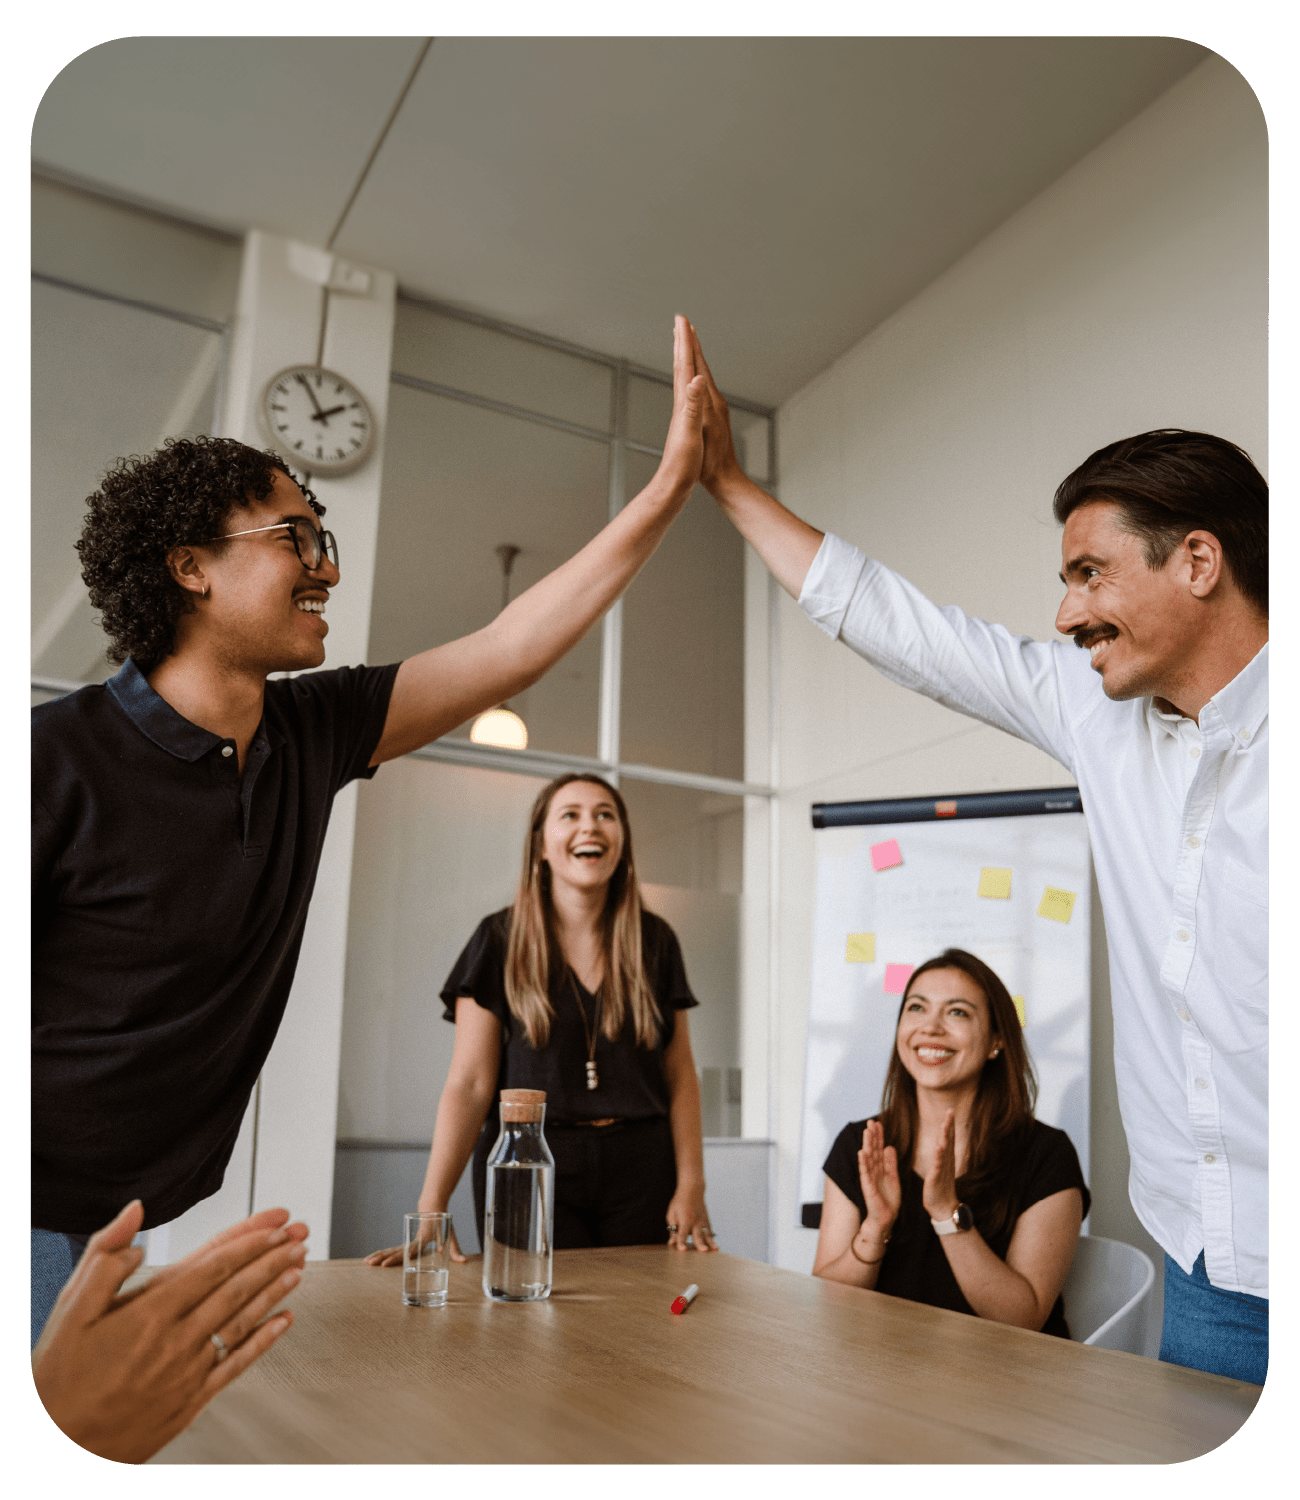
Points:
(1019, 1002)
(995, 883)
(861, 948)
(1056, 904)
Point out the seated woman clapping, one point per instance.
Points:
(954, 1195)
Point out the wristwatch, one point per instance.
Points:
(962, 1219)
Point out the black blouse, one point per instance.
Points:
(915, 1266)
(632, 1083)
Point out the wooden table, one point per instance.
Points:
(767, 1366)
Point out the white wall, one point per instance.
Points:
(1131, 294)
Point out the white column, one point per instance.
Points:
(285, 1156)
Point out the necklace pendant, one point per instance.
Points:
(592, 1080)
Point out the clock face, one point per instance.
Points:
(318, 419)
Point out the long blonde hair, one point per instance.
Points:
(534, 958)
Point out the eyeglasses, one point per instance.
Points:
(310, 545)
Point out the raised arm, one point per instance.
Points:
(440, 688)
(785, 543)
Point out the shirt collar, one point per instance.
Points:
(1243, 702)
(155, 718)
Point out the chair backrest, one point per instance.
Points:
(1105, 1291)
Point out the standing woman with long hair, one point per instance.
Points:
(955, 1195)
(580, 991)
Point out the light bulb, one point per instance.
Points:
(502, 727)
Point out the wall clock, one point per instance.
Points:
(318, 419)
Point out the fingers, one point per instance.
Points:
(701, 364)
(238, 1360)
(891, 1165)
(245, 1285)
(237, 1329)
(456, 1253)
(677, 1237)
(703, 1238)
(192, 1281)
(390, 1257)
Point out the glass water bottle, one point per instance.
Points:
(518, 1217)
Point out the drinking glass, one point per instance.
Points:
(426, 1259)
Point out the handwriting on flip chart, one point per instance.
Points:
(995, 883)
(896, 977)
(860, 948)
(886, 855)
(1059, 905)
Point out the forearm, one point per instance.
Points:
(546, 621)
(688, 1132)
(461, 1111)
(849, 1270)
(785, 543)
(992, 1288)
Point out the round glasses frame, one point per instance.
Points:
(310, 545)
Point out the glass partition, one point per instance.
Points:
(435, 346)
(684, 644)
(459, 482)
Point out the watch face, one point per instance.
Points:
(318, 419)
(963, 1218)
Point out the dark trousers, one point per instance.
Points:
(613, 1183)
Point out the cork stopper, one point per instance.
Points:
(523, 1105)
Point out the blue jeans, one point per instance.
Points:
(1206, 1328)
(54, 1258)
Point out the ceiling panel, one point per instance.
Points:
(787, 193)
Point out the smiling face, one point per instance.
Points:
(1140, 624)
(945, 1035)
(582, 836)
(264, 611)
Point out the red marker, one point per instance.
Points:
(681, 1303)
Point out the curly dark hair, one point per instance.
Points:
(178, 496)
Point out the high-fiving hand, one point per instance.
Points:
(684, 446)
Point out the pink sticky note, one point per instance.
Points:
(885, 856)
(896, 977)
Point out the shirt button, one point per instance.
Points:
(1193, 842)
(1202, 1083)
(1182, 934)
(1210, 1157)
(1183, 1016)
(1244, 736)
(227, 750)
(1194, 752)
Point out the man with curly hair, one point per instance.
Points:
(179, 809)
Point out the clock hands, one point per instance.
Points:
(318, 415)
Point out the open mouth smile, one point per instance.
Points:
(934, 1055)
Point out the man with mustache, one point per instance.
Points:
(1164, 724)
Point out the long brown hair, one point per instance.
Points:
(534, 958)
(1004, 1103)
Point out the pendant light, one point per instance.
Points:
(501, 726)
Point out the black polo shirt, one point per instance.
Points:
(168, 901)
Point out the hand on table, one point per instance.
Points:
(939, 1191)
(689, 1219)
(121, 1375)
(881, 1190)
(393, 1255)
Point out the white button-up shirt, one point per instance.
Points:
(1178, 820)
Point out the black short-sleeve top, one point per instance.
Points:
(632, 1084)
(915, 1266)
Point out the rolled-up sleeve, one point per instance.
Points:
(1008, 681)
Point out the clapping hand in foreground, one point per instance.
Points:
(122, 1373)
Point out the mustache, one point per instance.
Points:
(1088, 635)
